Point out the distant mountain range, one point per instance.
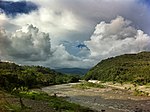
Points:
(78, 71)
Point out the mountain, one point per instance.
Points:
(125, 68)
(78, 71)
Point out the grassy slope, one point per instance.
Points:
(124, 68)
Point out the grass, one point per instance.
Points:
(87, 85)
(147, 85)
(137, 92)
(80, 86)
(5, 106)
(35, 95)
(12, 108)
(56, 103)
(59, 104)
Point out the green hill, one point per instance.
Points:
(125, 68)
(13, 75)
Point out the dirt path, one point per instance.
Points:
(109, 99)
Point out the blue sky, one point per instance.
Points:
(65, 33)
(147, 2)
(14, 8)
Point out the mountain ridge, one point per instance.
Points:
(79, 71)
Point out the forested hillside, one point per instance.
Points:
(125, 68)
(13, 75)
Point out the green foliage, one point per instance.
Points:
(6, 106)
(80, 86)
(137, 92)
(12, 108)
(89, 84)
(34, 95)
(86, 85)
(125, 68)
(58, 104)
(17, 92)
(14, 76)
(67, 79)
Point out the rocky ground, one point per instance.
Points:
(112, 98)
(109, 99)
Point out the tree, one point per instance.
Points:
(17, 91)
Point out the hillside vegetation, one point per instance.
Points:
(17, 94)
(133, 68)
(13, 75)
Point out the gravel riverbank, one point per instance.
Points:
(110, 99)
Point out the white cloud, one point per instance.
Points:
(115, 38)
(24, 45)
(74, 20)
(3, 19)
(58, 23)
(29, 45)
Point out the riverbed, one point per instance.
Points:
(109, 98)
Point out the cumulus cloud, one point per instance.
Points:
(75, 20)
(72, 21)
(27, 43)
(4, 43)
(58, 23)
(115, 38)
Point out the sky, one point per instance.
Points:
(72, 33)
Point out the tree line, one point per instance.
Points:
(13, 75)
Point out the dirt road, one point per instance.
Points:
(109, 99)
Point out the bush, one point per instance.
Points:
(87, 85)
(137, 92)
